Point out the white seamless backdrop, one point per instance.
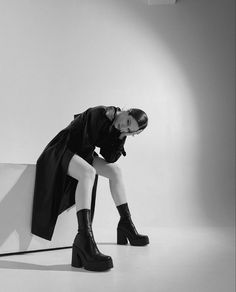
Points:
(176, 62)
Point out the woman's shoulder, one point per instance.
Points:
(110, 112)
(103, 111)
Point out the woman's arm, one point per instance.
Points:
(113, 145)
(112, 152)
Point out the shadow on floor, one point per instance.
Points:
(13, 265)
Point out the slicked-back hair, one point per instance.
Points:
(140, 116)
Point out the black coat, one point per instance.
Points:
(54, 190)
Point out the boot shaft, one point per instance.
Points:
(125, 218)
(124, 211)
(84, 237)
(84, 220)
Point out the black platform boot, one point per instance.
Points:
(85, 252)
(126, 229)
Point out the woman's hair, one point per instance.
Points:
(140, 116)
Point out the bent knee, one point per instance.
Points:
(88, 173)
(116, 172)
(80, 169)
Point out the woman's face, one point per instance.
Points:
(125, 123)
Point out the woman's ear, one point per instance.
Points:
(110, 112)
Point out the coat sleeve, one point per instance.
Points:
(92, 124)
(112, 148)
(113, 151)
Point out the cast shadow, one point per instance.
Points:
(16, 204)
(13, 265)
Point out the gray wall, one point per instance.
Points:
(174, 61)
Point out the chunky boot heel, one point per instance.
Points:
(121, 238)
(76, 260)
(137, 240)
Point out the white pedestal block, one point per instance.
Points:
(16, 201)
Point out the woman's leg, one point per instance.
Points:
(85, 174)
(125, 228)
(113, 173)
(85, 252)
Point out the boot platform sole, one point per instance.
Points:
(78, 261)
(123, 237)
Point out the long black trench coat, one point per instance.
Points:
(54, 190)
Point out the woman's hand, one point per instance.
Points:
(123, 134)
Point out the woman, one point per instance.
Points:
(67, 173)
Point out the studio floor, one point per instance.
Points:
(189, 260)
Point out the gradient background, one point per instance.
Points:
(176, 62)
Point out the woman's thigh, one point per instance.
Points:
(104, 168)
(78, 168)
